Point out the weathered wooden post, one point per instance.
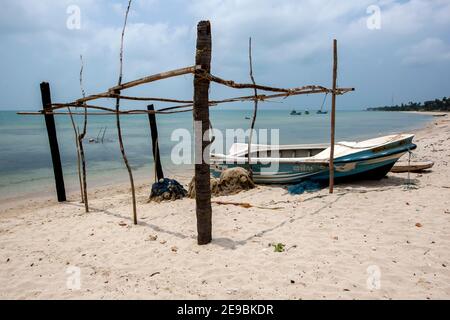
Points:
(201, 121)
(53, 141)
(333, 115)
(155, 143)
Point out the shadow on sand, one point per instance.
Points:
(342, 189)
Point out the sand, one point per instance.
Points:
(369, 240)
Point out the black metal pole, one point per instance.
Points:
(53, 141)
(155, 143)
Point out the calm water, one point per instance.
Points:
(25, 162)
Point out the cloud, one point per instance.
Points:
(299, 29)
(285, 30)
(410, 17)
(291, 42)
(430, 50)
(40, 35)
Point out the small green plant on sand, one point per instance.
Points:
(279, 247)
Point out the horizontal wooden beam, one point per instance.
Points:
(106, 113)
(169, 110)
(235, 85)
(92, 97)
(294, 91)
(107, 95)
(111, 93)
(155, 77)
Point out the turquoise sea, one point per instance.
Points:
(25, 162)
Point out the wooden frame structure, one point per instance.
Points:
(199, 106)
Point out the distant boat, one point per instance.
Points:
(369, 159)
(247, 118)
(321, 107)
(102, 132)
(295, 113)
(306, 112)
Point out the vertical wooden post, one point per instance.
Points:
(201, 118)
(333, 115)
(53, 141)
(155, 143)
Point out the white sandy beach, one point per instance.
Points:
(331, 241)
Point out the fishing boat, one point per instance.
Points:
(321, 111)
(282, 164)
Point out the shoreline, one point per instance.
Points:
(430, 113)
(41, 198)
(397, 226)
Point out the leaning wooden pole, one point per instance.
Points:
(119, 128)
(155, 143)
(255, 110)
(81, 137)
(53, 141)
(77, 145)
(201, 120)
(333, 115)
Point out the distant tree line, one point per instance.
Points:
(433, 105)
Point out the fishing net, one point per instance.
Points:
(231, 181)
(235, 180)
(167, 190)
(214, 183)
(306, 186)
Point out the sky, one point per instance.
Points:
(388, 50)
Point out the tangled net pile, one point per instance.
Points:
(231, 181)
(167, 190)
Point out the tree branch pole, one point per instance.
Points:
(159, 76)
(255, 110)
(152, 78)
(200, 72)
(119, 130)
(109, 111)
(81, 136)
(260, 97)
(235, 85)
(333, 114)
(78, 153)
(201, 114)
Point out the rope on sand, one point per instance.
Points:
(244, 205)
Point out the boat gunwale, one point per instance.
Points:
(323, 163)
(237, 159)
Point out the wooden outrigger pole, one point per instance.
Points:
(201, 117)
(333, 115)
